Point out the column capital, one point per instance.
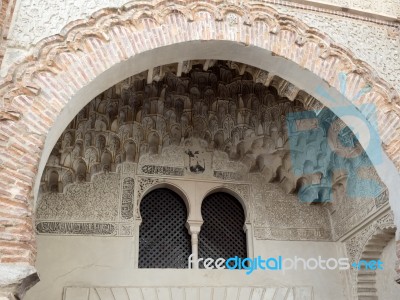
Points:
(247, 227)
(194, 226)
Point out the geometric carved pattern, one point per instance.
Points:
(357, 242)
(220, 121)
(236, 119)
(127, 198)
(361, 37)
(101, 207)
(347, 212)
(278, 216)
(243, 190)
(164, 240)
(222, 234)
(94, 201)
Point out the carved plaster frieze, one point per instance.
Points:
(278, 216)
(102, 207)
(292, 234)
(218, 124)
(144, 183)
(376, 44)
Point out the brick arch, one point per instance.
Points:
(64, 72)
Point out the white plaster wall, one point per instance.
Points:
(99, 261)
(382, 7)
(372, 43)
(327, 284)
(386, 286)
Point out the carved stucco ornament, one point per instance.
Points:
(234, 127)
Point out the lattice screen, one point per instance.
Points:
(222, 233)
(164, 240)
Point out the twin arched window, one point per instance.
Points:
(165, 242)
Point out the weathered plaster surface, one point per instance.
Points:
(379, 45)
(387, 7)
(38, 19)
(95, 261)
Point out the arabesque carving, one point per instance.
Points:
(216, 124)
(278, 216)
(50, 53)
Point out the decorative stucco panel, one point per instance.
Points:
(377, 44)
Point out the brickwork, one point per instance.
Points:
(36, 90)
(6, 12)
(3, 12)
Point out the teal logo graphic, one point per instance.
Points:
(324, 149)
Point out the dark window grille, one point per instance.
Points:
(222, 233)
(164, 240)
